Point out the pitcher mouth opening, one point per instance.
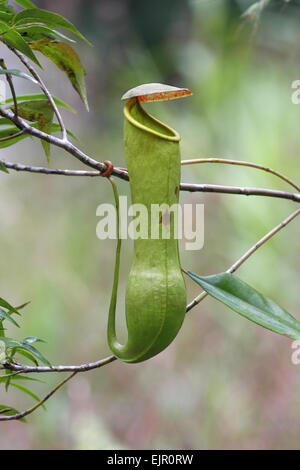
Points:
(136, 115)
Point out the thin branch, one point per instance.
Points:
(205, 188)
(25, 413)
(250, 252)
(47, 93)
(13, 136)
(242, 163)
(41, 369)
(213, 188)
(47, 171)
(68, 146)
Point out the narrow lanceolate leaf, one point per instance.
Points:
(48, 18)
(14, 39)
(24, 378)
(5, 304)
(18, 73)
(36, 32)
(5, 316)
(8, 133)
(4, 121)
(248, 302)
(18, 346)
(35, 97)
(41, 112)
(33, 339)
(28, 356)
(36, 353)
(67, 60)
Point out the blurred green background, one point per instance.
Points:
(225, 382)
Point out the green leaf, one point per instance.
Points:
(9, 411)
(21, 378)
(41, 112)
(7, 8)
(3, 167)
(5, 122)
(33, 339)
(249, 303)
(19, 74)
(5, 17)
(28, 392)
(25, 3)
(28, 356)
(36, 97)
(3, 27)
(37, 32)
(14, 39)
(65, 58)
(10, 132)
(36, 353)
(53, 20)
(5, 316)
(12, 343)
(5, 304)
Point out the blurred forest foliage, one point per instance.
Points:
(225, 382)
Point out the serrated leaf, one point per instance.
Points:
(36, 97)
(14, 39)
(19, 74)
(41, 112)
(5, 316)
(249, 303)
(3, 167)
(28, 392)
(53, 20)
(65, 58)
